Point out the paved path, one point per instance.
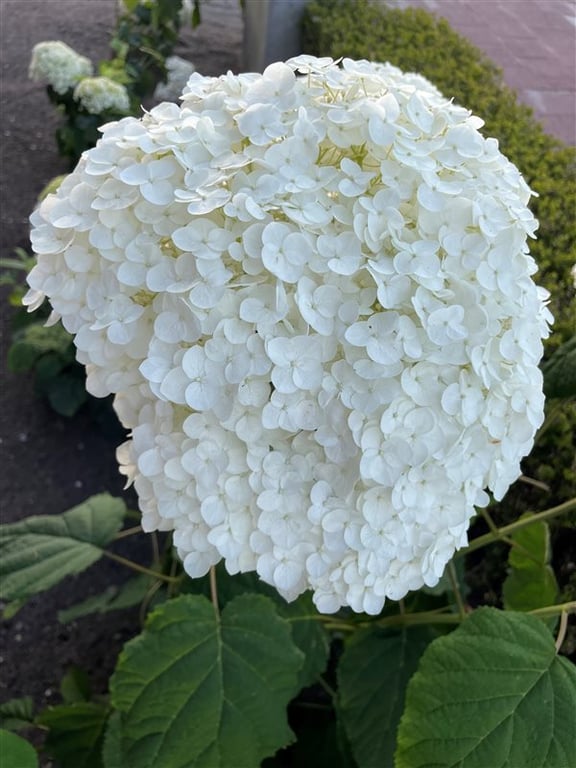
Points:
(534, 41)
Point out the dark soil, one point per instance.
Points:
(50, 463)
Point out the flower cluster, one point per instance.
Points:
(178, 72)
(59, 65)
(100, 94)
(310, 291)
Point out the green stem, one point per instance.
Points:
(424, 617)
(554, 610)
(328, 688)
(501, 534)
(456, 589)
(137, 567)
(561, 631)
(128, 532)
(214, 591)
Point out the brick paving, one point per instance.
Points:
(534, 41)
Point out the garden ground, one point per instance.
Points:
(49, 463)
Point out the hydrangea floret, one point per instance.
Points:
(310, 292)
(59, 65)
(101, 94)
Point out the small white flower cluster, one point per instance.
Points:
(99, 94)
(178, 73)
(59, 64)
(311, 293)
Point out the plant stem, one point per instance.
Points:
(554, 610)
(561, 630)
(214, 591)
(128, 532)
(328, 688)
(456, 589)
(137, 567)
(424, 617)
(500, 534)
(535, 483)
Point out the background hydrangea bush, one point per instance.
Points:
(310, 291)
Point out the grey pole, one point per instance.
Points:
(271, 31)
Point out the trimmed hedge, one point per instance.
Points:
(417, 41)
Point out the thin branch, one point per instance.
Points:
(128, 532)
(148, 597)
(137, 567)
(155, 548)
(452, 575)
(424, 617)
(214, 591)
(328, 688)
(536, 483)
(501, 534)
(561, 630)
(554, 610)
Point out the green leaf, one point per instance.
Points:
(130, 4)
(307, 631)
(196, 18)
(75, 686)
(199, 692)
(16, 752)
(526, 590)
(531, 582)
(372, 677)
(492, 693)
(40, 551)
(75, 733)
(559, 371)
(67, 392)
(17, 713)
(308, 635)
(35, 340)
(112, 739)
(114, 598)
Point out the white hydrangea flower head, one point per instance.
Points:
(100, 94)
(178, 71)
(59, 65)
(311, 294)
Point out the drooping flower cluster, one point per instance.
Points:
(99, 94)
(310, 293)
(59, 65)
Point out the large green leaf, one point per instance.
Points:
(75, 733)
(309, 636)
(308, 632)
(17, 713)
(111, 757)
(492, 693)
(16, 752)
(531, 582)
(197, 691)
(40, 551)
(373, 674)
